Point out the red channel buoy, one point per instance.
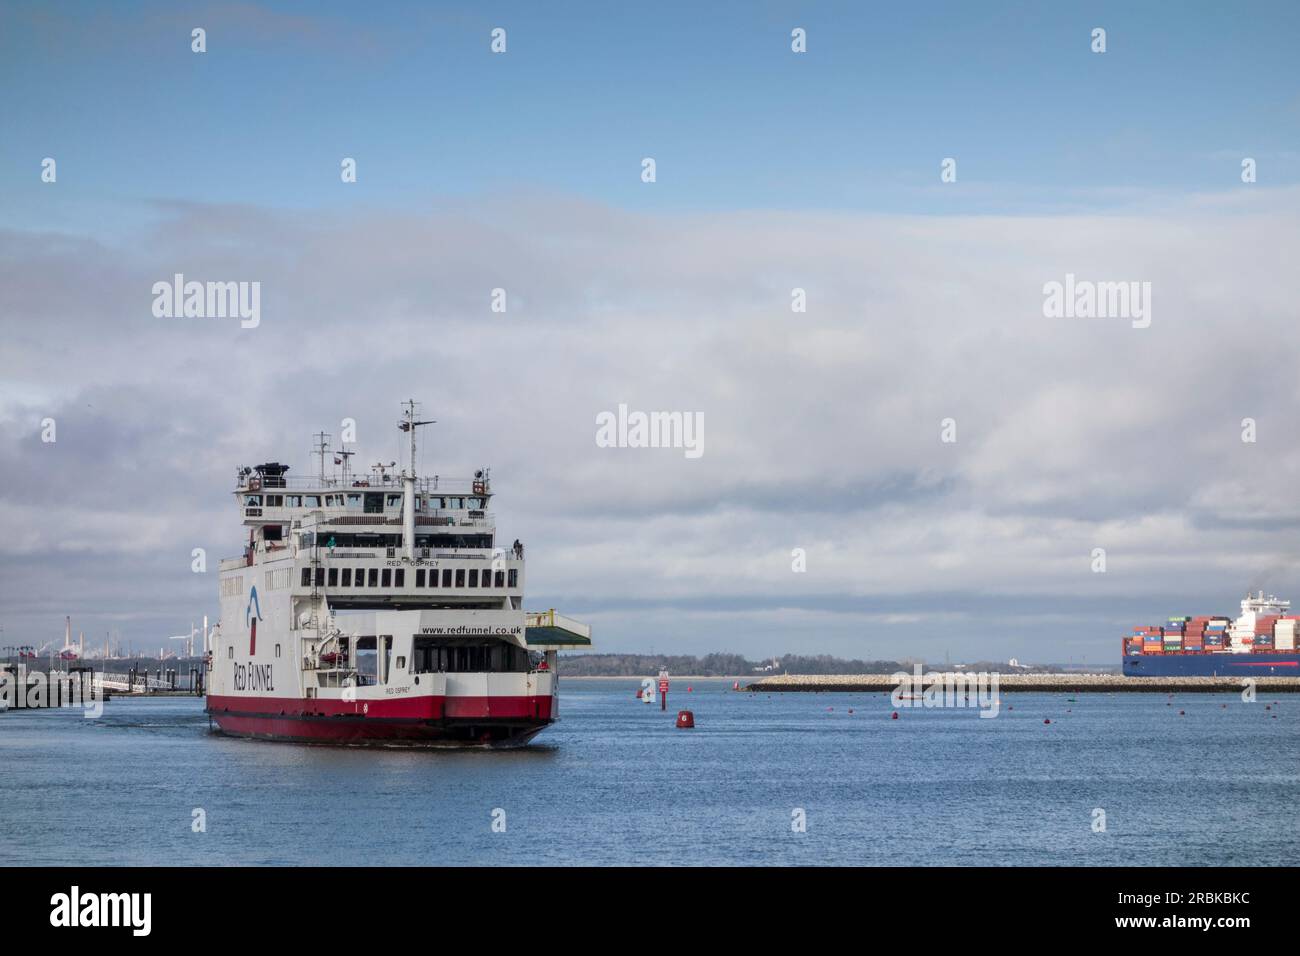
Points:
(895, 717)
(685, 719)
(1047, 720)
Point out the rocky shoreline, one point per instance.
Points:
(1042, 683)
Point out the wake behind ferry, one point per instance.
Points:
(1260, 642)
(379, 610)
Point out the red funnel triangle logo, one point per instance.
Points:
(253, 604)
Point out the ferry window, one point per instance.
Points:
(446, 578)
(277, 650)
(394, 501)
(360, 579)
(273, 532)
(442, 502)
(512, 578)
(399, 578)
(230, 652)
(320, 577)
(388, 578)
(476, 503)
(347, 577)
(354, 502)
(401, 663)
(374, 578)
(419, 577)
(501, 579)
(311, 501)
(294, 501)
(252, 501)
(456, 503)
(306, 577)
(473, 577)
(460, 577)
(374, 503)
(275, 501)
(334, 577)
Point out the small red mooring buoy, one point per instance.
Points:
(1047, 720)
(735, 685)
(1182, 713)
(689, 688)
(685, 719)
(895, 717)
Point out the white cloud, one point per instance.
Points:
(823, 428)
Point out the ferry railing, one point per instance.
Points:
(371, 482)
(340, 517)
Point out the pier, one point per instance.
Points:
(23, 687)
(1024, 683)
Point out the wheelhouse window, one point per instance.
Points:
(293, 501)
(252, 501)
(394, 501)
(311, 501)
(354, 502)
(275, 501)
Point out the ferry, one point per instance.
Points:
(1259, 642)
(379, 609)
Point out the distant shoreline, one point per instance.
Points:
(671, 677)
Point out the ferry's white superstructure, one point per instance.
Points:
(379, 609)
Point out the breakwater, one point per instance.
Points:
(1011, 683)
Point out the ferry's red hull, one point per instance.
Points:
(418, 721)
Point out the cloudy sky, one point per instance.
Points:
(774, 171)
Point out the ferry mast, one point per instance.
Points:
(409, 424)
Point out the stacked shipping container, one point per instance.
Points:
(1207, 634)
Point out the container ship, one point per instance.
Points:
(379, 609)
(1261, 641)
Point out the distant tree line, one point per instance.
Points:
(737, 665)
